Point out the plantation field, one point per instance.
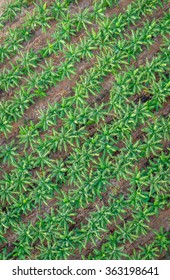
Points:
(84, 129)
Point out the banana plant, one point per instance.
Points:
(19, 104)
(72, 52)
(74, 173)
(110, 250)
(138, 178)
(131, 15)
(160, 92)
(9, 153)
(82, 19)
(49, 49)
(23, 204)
(22, 179)
(47, 252)
(109, 3)
(48, 76)
(25, 232)
(42, 159)
(24, 162)
(126, 232)
(98, 11)
(14, 40)
(43, 191)
(67, 28)
(27, 135)
(10, 78)
(47, 118)
(160, 202)
(28, 61)
(85, 49)
(41, 17)
(7, 190)
(66, 69)
(5, 51)
(151, 146)
(149, 252)
(64, 219)
(58, 171)
(161, 239)
(137, 196)
(59, 8)
(25, 33)
(141, 220)
(118, 206)
(11, 10)
(21, 251)
(5, 125)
